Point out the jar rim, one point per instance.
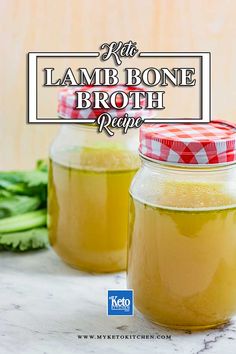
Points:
(183, 166)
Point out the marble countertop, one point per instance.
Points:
(45, 306)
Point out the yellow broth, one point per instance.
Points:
(182, 260)
(88, 208)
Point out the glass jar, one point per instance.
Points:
(89, 179)
(182, 234)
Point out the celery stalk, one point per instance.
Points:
(18, 204)
(24, 221)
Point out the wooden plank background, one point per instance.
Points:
(73, 25)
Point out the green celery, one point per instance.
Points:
(25, 240)
(18, 204)
(24, 221)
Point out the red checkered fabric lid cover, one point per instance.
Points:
(210, 143)
(67, 102)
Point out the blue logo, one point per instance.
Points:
(120, 303)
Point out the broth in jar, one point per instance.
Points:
(184, 272)
(182, 225)
(88, 207)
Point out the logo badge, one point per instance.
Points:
(120, 303)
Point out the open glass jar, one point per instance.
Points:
(89, 179)
(182, 225)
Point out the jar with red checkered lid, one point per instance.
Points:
(89, 178)
(182, 225)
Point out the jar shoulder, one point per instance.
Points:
(86, 149)
(184, 189)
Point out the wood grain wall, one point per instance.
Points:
(73, 25)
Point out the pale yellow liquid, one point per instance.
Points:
(88, 208)
(182, 262)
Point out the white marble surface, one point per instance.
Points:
(45, 305)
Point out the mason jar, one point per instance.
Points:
(182, 225)
(89, 179)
